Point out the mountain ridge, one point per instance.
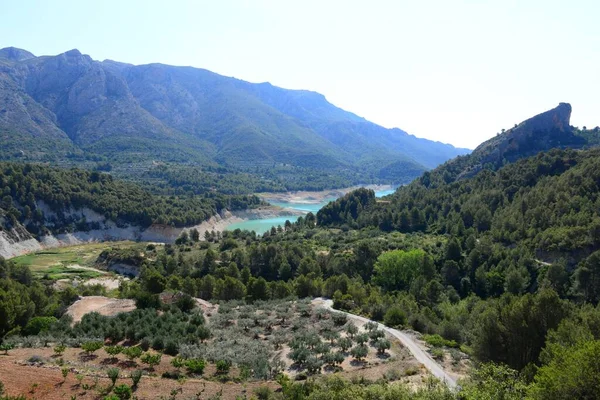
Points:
(139, 113)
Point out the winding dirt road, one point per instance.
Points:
(412, 346)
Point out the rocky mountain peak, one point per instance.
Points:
(15, 54)
(545, 131)
(558, 118)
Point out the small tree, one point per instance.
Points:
(362, 338)
(331, 336)
(299, 355)
(344, 344)
(113, 374)
(136, 376)
(382, 344)
(91, 347)
(376, 334)
(371, 326)
(223, 367)
(351, 330)
(65, 372)
(59, 349)
(5, 347)
(195, 366)
(359, 352)
(313, 364)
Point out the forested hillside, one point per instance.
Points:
(47, 200)
(547, 203)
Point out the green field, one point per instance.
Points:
(68, 262)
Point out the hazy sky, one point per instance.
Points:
(453, 71)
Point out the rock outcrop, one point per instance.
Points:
(543, 132)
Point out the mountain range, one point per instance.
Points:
(70, 107)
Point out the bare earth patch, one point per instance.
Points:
(44, 380)
(100, 304)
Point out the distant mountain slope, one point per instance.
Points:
(78, 107)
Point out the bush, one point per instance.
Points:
(151, 359)
(59, 349)
(35, 359)
(223, 367)
(437, 353)
(171, 348)
(113, 374)
(177, 362)
(392, 375)
(132, 352)
(91, 347)
(158, 343)
(176, 375)
(394, 317)
(185, 303)
(5, 347)
(1, 388)
(113, 350)
(145, 344)
(195, 366)
(203, 333)
(339, 319)
(123, 392)
(37, 325)
(438, 341)
(263, 393)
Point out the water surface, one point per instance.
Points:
(261, 226)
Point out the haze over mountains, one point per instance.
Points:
(70, 106)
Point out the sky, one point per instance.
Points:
(453, 71)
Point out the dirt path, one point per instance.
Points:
(421, 356)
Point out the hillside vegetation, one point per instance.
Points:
(496, 259)
(29, 192)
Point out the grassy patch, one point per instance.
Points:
(54, 263)
(62, 272)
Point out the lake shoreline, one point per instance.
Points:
(315, 197)
(287, 206)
